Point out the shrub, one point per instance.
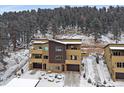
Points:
(84, 75)
(89, 80)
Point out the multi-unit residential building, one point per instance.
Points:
(114, 58)
(56, 55)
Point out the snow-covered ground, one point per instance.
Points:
(15, 62)
(19, 82)
(96, 75)
(105, 39)
(46, 79)
(92, 74)
(98, 72)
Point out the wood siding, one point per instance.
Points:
(53, 53)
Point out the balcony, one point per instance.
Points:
(33, 51)
(39, 51)
(118, 70)
(44, 52)
(72, 62)
(117, 58)
(36, 60)
(73, 52)
(45, 60)
(39, 60)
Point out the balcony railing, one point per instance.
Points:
(39, 51)
(73, 52)
(118, 69)
(72, 62)
(35, 60)
(117, 58)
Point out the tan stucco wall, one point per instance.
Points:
(111, 60)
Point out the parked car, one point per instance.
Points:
(43, 74)
(52, 75)
(45, 77)
(51, 79)
(59, 76)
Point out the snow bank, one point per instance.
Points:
(16, 61)
(19, 82)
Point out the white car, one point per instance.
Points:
(51, 79)
(45, 77)
(59, 76)
(51, 75)
(43, 74)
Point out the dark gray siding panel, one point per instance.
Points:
(53, 53)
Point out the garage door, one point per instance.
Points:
(37, 65)
(119, 75)
(73, 68)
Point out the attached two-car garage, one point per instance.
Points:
(72, 67)
(119, 75)
(37, 65)
(69, 67)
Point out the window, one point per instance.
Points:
(59, 49)
(120, 64)
(45, 48)
(37, 55)
(59, 57)
(73, 48)
(116, 53)
(57, 67)
(73, 57)
(45, 57)
(40, 47)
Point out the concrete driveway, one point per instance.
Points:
(72, 79)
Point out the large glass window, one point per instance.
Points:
(59, 49)
(116, 53)
(58, 57)
(73, 47)
(45, 48)
(40, 47)
(120, 64)
(73, 57)
(45, 57)
(37, 55)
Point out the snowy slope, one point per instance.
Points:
(19, 82)
(15, 62)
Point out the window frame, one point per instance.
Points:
(60, 56)
(58, 49)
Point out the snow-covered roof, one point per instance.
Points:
(59, 41)
(37, 42)
(116, 48)
(72, 42)
(19, 82)
(56, 41)
(63, 42)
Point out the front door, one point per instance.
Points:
(44, 66)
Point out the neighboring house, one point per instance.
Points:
(56, 55)
(114, 57)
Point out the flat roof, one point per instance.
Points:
(19, 82)
(116, 48)
(112, 44)
(72, 42)
(64, 42)
(38, 42)
(59, 41)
